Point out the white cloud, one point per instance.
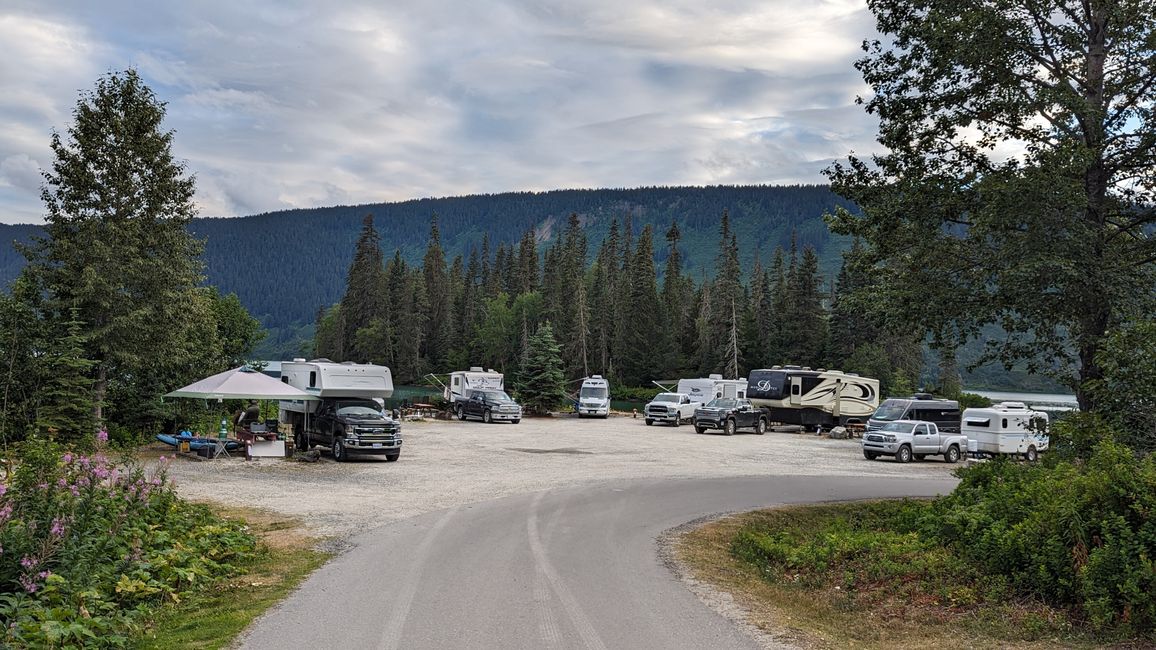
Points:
(301, 104)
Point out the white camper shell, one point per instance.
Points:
(1006, 428)
(593, 397)
(463, 382)
(704, 389)
(324, 378)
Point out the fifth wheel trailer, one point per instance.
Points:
(795, 395)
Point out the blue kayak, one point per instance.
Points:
(195, 442)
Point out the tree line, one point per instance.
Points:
(612, 311)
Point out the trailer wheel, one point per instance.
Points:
(729, 427)
(903, 455)
(1031, 455)
(761, 427)
(952, 455)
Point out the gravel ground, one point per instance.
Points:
(447, 463)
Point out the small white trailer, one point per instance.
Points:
(462, 382)
(1008, 428)
(704, 389)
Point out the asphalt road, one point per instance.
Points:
(568, 568)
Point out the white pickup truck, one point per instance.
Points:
(669, 407)
(907, 439)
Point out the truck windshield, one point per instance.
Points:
(359, 409)
(898, 427)
(890, 410)
(723, 403)
(498, 396)
(595, 392)
(666, 397)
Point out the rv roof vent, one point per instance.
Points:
(791, 367)
(852, 374)
(923, 396)
(820, 370)
(806, 367)
(491, 370)
(321, 360)
(475, 368)
(349, 363)
(298, 359)
(714, 376)
(596, 376)
(1013, 405)
(776, 367)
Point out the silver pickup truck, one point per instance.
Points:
(907, 439)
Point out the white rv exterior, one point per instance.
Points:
(704, 389)
(824, 398)
(462, 382)
(593, 397)
(324, 378)
(1006, 428)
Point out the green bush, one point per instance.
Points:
(620, 393)
(1076, 533)
(88, 546)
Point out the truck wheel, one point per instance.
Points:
(729, 427)
(952, 455)
(698, 429)
(392, 458)
(460, 412)
(649, 422)
(516, 421)
(1030, 455)
(301, 440)
(339, 453)
(677, 421)
(903, 455)
(761, 427)
(486, 417)
(870, 455)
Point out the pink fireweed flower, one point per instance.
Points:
(3, 489)
(29, 584)
(57, 529)
(67, 457)
(28, 562)
(102, 435)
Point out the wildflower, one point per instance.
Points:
(44, 574)
(67, 457)
(57, 529)
(3, 489)
(102, 435)
(29, 584)
(28, 562)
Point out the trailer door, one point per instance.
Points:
(796, 390)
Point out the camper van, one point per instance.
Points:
(593, 397)
(920, 406)
(704, 389)
(350, 416)
(1006, 428)
(824, 398)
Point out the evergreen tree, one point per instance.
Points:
(643, 331)
(65, 404)
(727, 296)
(495, 342)
(528, 263)
(805, 321)
(436, 342)
(543, 386)
(674, 307)
(117, 248)
(362, 302)
(328, 342)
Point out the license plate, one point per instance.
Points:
(377, 444)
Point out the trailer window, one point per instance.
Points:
(986, 422)
(1004, 423)
(313, 379)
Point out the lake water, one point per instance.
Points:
(1055, 400)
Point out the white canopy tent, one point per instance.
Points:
(241, 383)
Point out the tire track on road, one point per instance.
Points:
(391, 633)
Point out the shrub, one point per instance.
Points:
(88, 546)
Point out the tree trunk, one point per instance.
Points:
(99, 390)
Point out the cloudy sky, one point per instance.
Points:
(301, 103)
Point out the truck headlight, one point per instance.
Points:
(889, 438)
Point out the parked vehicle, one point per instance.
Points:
(921, 406)
(1006, 428)
(704, 389)
(349, 418)
(463, 382)
(823, 398)
(489, 406)
(907, 439)
(729, 414)
(673, 408)
(593, 397)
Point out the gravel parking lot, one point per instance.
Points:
(446, 463)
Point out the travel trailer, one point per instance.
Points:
(593, 397)
(824, 398)
(464, 382)
(1006, 428)
(350, 416)
(703, 390)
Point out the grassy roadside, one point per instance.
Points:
(213, 618)
(866, 603)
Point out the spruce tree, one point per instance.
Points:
(117, 248)
(362, 302)
(727, 303)
(64, 407)
(543, 386)
(436, 342)
(644, 322)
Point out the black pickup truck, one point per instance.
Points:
(730, 414)
(351, 425)
(489, 406)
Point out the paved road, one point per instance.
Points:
(570, 568)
